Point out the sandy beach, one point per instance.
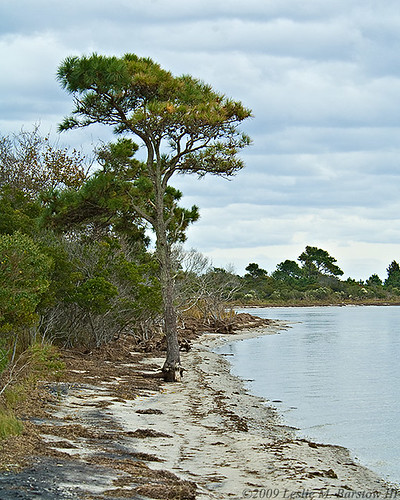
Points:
(233, 445)
(203, 438)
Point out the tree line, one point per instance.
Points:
(314, 279)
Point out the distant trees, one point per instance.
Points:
(315, 280)
(374, 280)
(288, 271)
(255, 271)
(317, 264)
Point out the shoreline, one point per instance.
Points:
(233, 445)
(327, 304)
(284, 325)
(205, 438)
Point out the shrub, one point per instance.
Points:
(24, 274)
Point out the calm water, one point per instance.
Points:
(336, 373)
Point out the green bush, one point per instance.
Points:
(24, 272)
(99, 289)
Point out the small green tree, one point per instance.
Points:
(24, 279)
(255, 271)
(256, 284)
(185, 127)
(374, 281)
(288, 271)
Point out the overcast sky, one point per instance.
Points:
(321, 76)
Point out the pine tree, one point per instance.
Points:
(185, 127)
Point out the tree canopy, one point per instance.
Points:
(255, 271)
(136, 95)
(288, 270)
(317, 261)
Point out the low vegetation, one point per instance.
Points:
(19, 380)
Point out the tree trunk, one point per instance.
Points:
(172, 369)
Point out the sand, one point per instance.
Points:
(206, 430)
(233, 445)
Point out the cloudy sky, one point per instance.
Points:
(321, 76)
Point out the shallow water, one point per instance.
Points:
(335, 374)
